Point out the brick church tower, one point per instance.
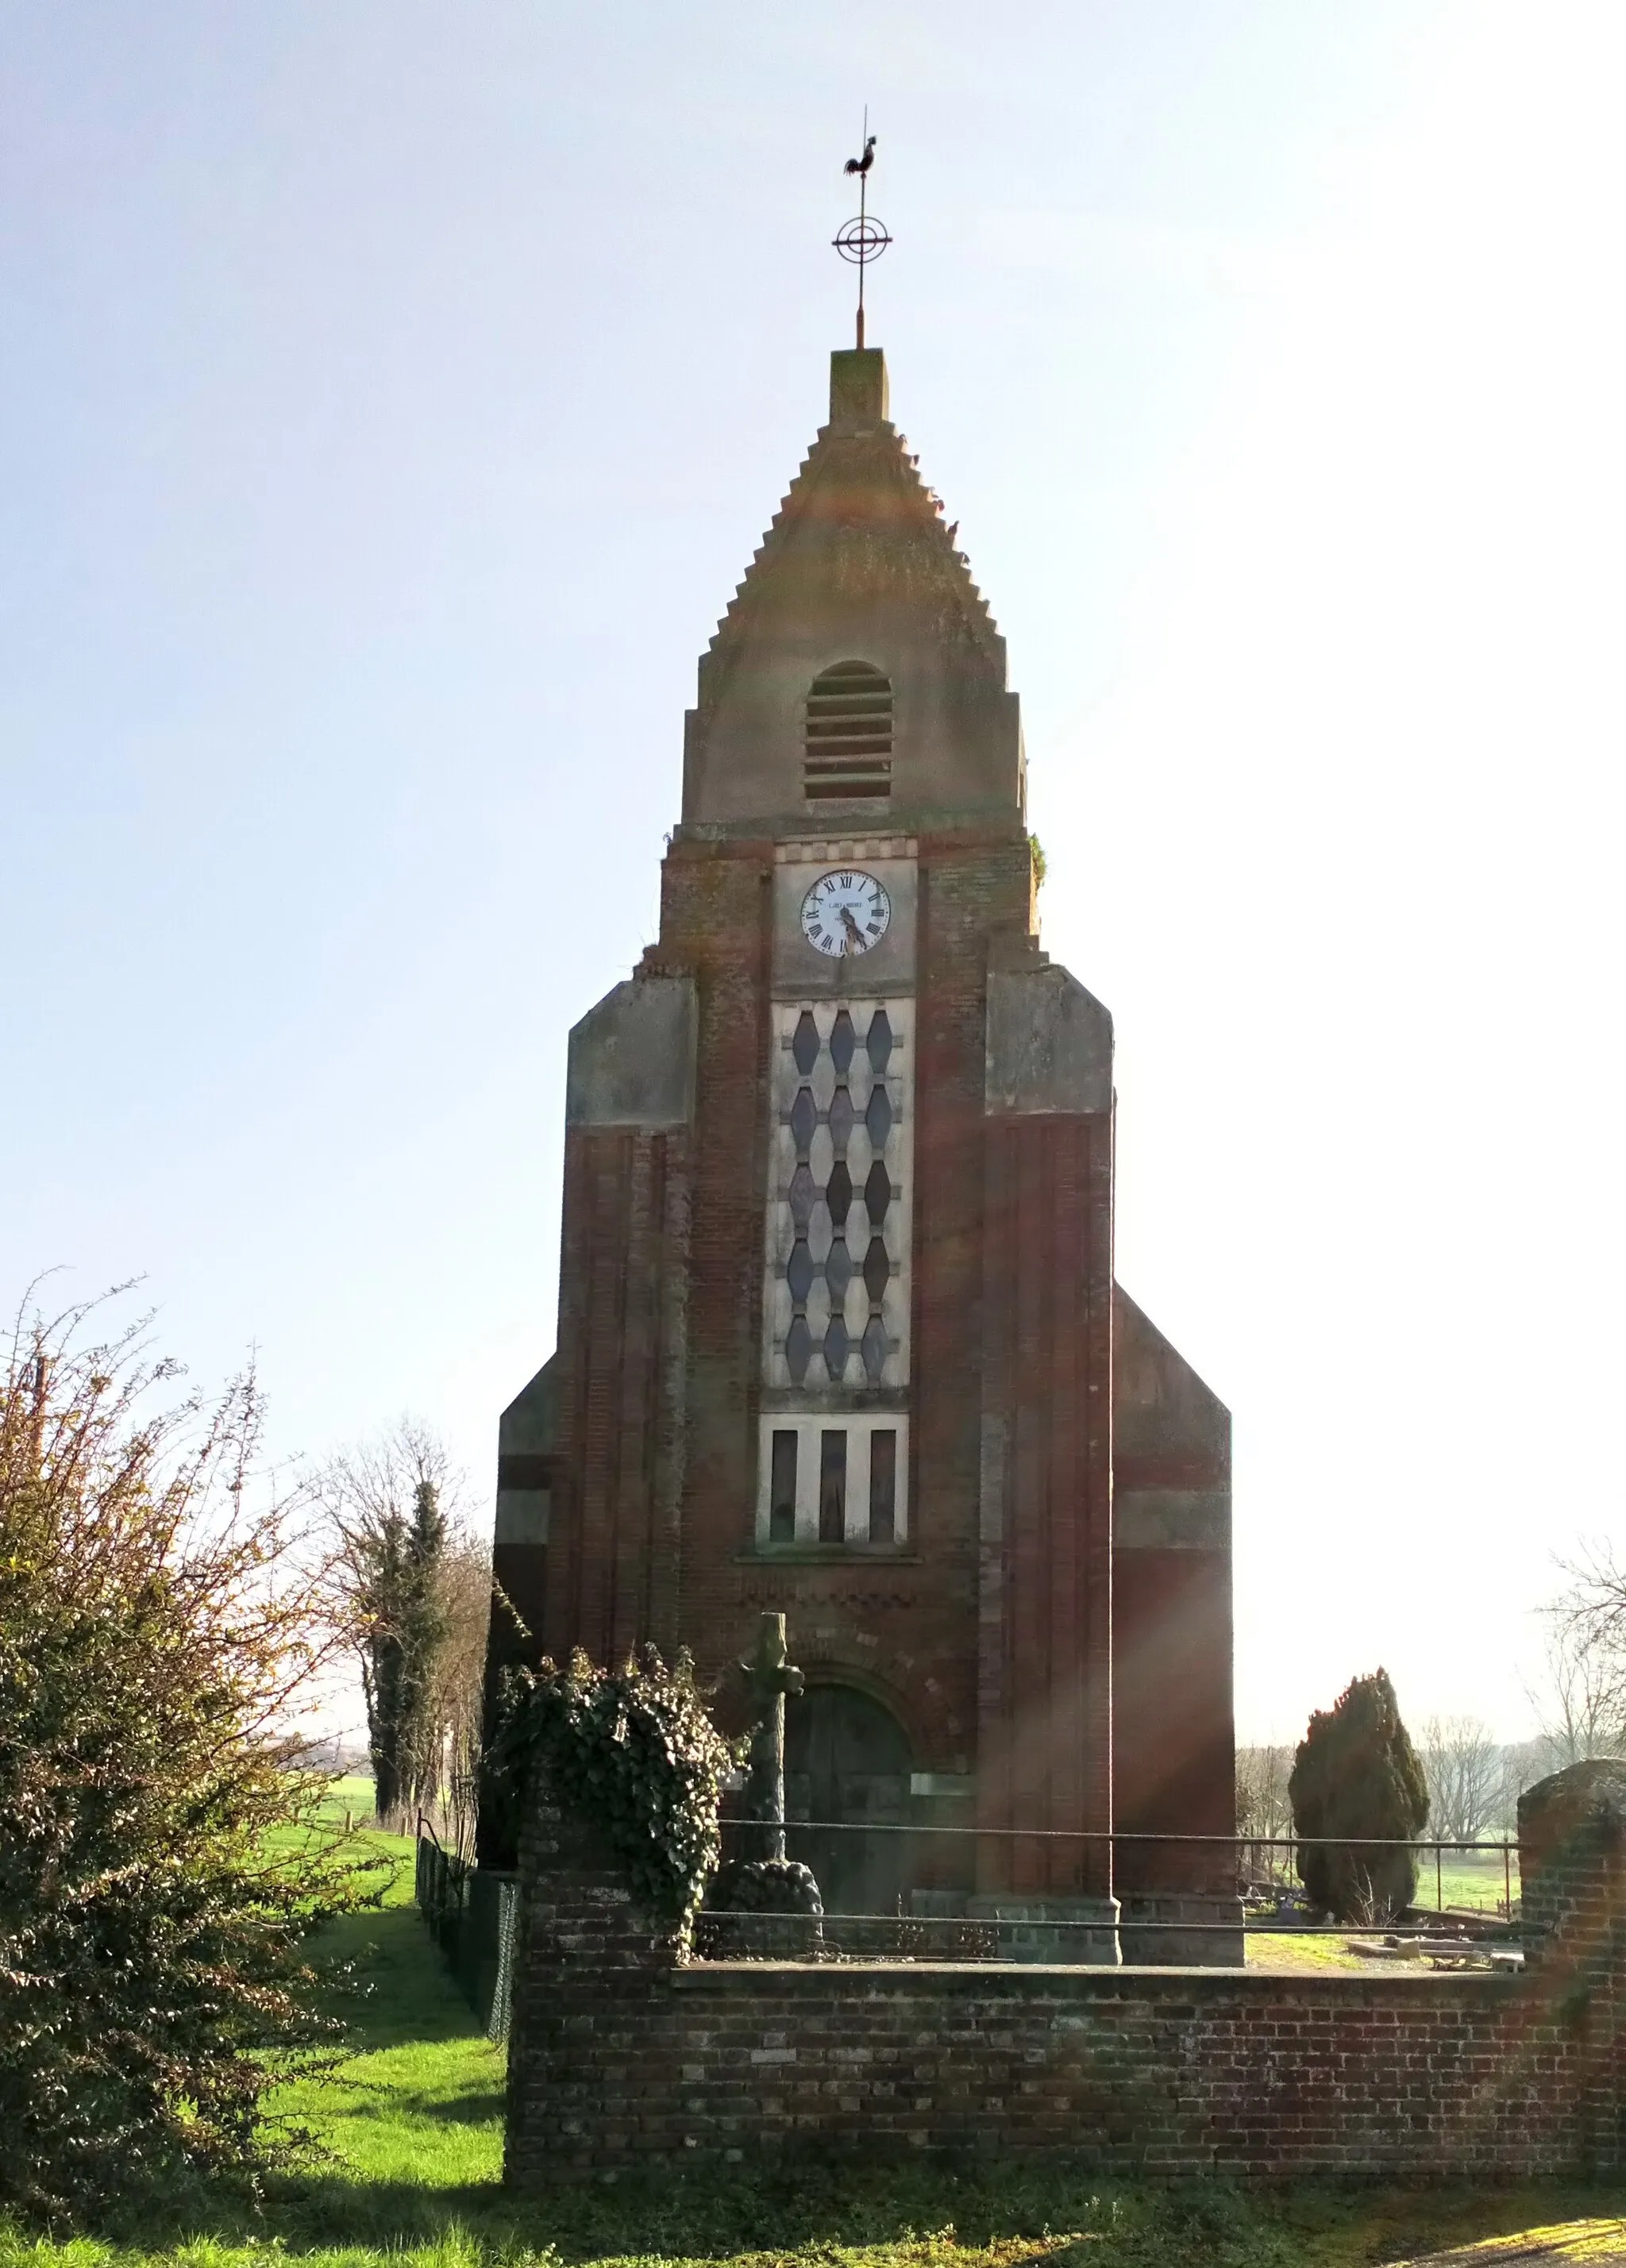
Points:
(838, 1328)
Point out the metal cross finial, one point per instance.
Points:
(864, 239)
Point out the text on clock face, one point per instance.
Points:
(846, 911)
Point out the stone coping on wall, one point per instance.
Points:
(1079, 1981)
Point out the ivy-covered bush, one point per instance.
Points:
(629, 1752)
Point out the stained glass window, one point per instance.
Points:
(838, 1195)
(804, 1118)
(843, 1042)
(874, 1347)
(799, 1272)
(877, 1271)
(877, 1117)
(877, 1194)
(838, 1271)
(841, 1119)
(802, 1193)
(798, 1348)
(878, 1044)
(804, 1043)
(836, 1344)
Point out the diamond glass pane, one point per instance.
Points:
(878, 1045)
(877, 1271)
(802, 1193)
(874, 1349)
(798, 1348)
(838, 1195)
(841, 1115)
(804, 1118)
(799, 1274)
(877, 1193)
(836, 1344)
(838, 1271)
(877, 1117)
(804, 1044)
(843, 1041)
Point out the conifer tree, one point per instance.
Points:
(1357, 1775)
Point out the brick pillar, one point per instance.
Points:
(1572, 1873)
(612, 1551)
(587, 2088)
(1044, 1734)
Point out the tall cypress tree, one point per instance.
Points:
(1356, 1775)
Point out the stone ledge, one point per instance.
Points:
(1031, 1980)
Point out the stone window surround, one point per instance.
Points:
(809, 1427)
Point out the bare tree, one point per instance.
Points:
(467, 1594)
(1466, 1770)
(1263, 1810)
(417, 1587)
(1581, 1702)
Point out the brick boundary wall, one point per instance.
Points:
(623, 2055)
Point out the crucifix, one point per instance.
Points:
(769, 1676)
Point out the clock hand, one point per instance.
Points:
(853, 930)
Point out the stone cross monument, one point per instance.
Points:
(770, 1676)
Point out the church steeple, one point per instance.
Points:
(857, 567)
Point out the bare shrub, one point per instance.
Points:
(162, 1621)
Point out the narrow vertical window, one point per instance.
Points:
(883, 1486)
(782, 1490)
(831, 1487)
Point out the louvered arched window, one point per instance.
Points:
(848, 743)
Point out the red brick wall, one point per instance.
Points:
(611, 1554)
(1172, 1710)
(619, 2056)
(1045, 1735)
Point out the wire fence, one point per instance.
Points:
(961, 1892)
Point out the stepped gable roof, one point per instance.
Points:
(857, 517)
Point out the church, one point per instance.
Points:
(839, 1334)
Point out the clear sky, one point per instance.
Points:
(391, 397)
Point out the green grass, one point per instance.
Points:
(1467, 1878)
(353, 1794)
(413, 2125)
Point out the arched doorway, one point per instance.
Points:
(847, 1757)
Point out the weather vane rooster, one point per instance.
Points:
(865, 238)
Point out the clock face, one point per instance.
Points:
(845, 912)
